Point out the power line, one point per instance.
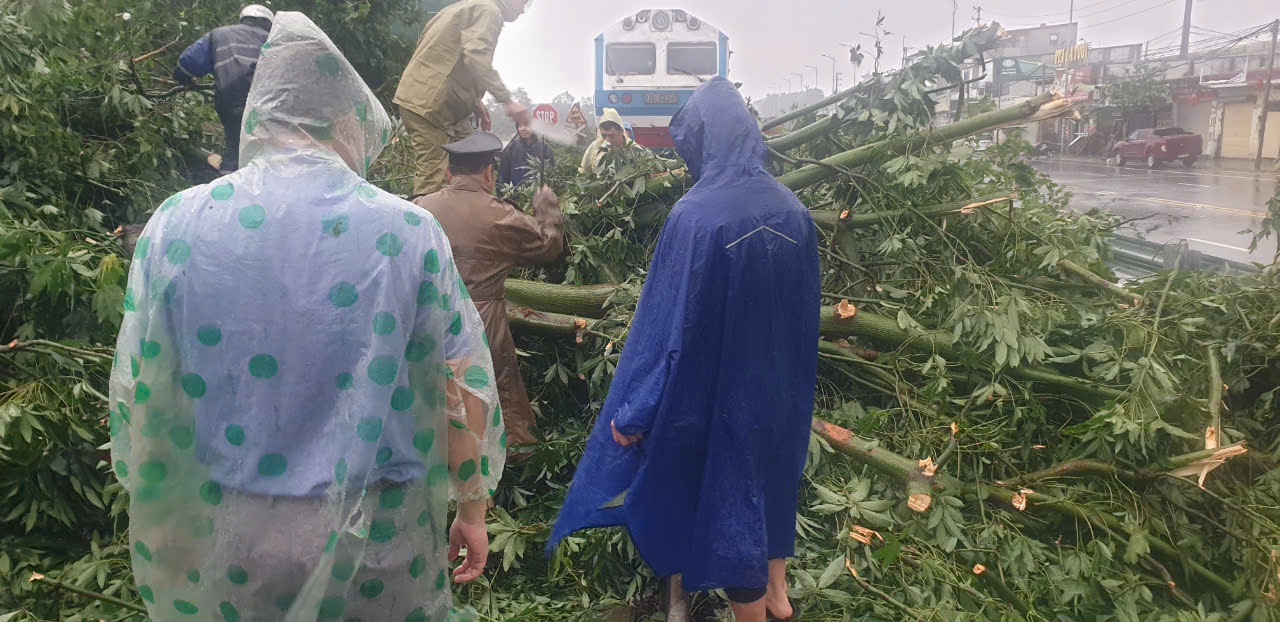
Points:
(1135, 14)
(1210, 56)
(1078, 13)
(1207, 43)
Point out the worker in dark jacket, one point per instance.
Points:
(523, 155)
(230, 53)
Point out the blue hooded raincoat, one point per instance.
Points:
(718, 371)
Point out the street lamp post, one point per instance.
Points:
(815, 76)
(789, 89)
(835, 88)
(801, 76)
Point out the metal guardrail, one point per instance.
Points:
(1134, 258)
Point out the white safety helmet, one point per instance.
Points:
(257, 10)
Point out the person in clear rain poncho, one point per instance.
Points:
(301, 382)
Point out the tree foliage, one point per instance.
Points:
(1055, 411)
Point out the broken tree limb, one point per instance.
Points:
(1111, 288)
(1043, 107)
(827, 219)
(62, 585)
(900, 469)
(1097, 468)
(997, 585)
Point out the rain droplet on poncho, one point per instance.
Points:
(301, 382)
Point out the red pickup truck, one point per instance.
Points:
(1158, 146)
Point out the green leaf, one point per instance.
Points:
(832, 571)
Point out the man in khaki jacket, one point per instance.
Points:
(489, 238)
(445, 81)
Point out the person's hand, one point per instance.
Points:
(545, 198)
(623, 439)
(482, 116)
(518, 112)
(470, 533)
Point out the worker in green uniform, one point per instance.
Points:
(445, 81)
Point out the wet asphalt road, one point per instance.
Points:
(1208, 205)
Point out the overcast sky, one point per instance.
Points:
(549, 50)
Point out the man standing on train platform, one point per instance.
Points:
(446, 80)
(489, 238)
(230, 53)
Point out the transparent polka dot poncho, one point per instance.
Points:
(301, 382)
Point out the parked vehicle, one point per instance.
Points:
(1159, 146)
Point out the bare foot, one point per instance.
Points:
(775, 598)
(779, 605)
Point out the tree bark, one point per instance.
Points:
(1047, 106)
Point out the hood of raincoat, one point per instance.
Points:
(716, 134)
(610, 114)
(306, 97)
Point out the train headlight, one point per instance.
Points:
(642, 16)
(626, 99)
(694, 23)
(662, 21)
(679, 15)
(628, 23)
(613, 98)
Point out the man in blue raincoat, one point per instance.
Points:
(700, 446)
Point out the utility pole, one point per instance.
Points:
(838, 75)
(955, 6)
(1266, 94)
(835, 87)
(977, 20)
(1071, 12)
(1186, 29)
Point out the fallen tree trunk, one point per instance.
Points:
(974, 42)
(1040, 108)
(863, 324)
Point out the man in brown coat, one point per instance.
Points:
(489, 238)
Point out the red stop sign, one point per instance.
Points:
(547, 114)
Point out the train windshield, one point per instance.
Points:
(631, 59)
(694, 58)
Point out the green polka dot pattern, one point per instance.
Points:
(389, 244)
(272, 465)
(222, 192)
(370, 429)
(383, 369)
(178, 252)
(209, 335)
(285, 339)
(384, 323)
(263, 366)
(402, 399)
(252, 216)
(343, 295)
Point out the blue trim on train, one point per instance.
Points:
(724, 55)
(637, 107)
(599, 64)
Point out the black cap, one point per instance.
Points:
(476, 144)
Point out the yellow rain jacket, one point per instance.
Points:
(600, 146)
